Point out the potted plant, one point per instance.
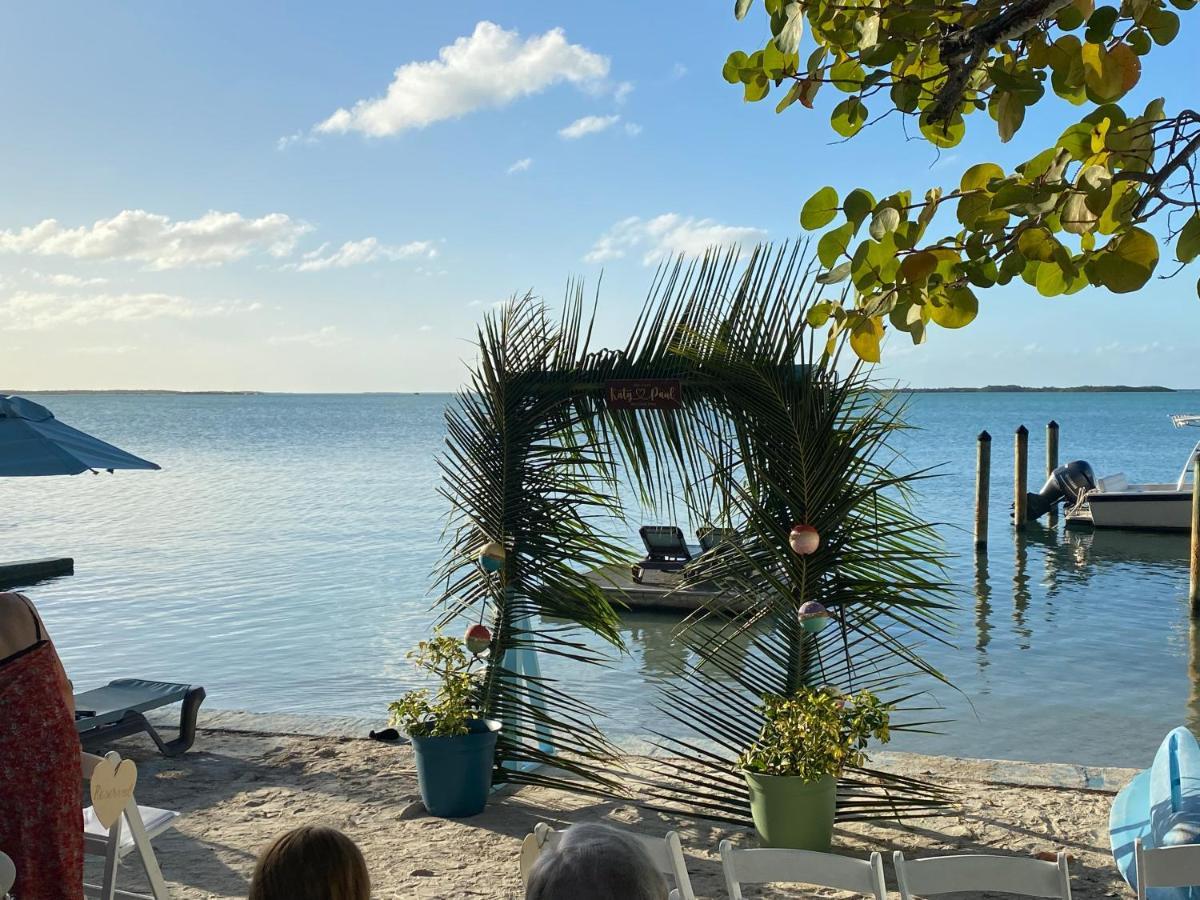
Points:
(792, 767)
(454, 746)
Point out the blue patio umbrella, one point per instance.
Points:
(33, 442)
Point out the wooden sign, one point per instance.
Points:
(112, 785)
(649, 393)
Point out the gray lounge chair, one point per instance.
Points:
(666, 550)
(104, 714)
(711, 537)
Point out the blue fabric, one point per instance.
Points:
(33, 442)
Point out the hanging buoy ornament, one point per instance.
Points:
(813, 616)
(478, 639)
(491, 556)
(804, 539)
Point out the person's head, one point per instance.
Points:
(311, 863)
(595, 862)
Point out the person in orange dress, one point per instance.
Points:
(41, 813)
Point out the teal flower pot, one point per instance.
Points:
(454, 773)
(793, 813)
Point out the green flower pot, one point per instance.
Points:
(793, 813)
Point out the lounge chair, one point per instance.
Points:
(666, 550)
(710, 537)
(116, 710)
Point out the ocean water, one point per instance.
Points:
(282, 559)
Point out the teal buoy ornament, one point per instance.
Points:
(813, 616)
(491, 556)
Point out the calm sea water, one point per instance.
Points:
(282, 559)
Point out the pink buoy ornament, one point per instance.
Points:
(804, 540)
(813, 616)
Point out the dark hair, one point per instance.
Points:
(311, 863)
(595, 862)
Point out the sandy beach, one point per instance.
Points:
(236, 789)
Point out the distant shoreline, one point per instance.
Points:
(988, 389)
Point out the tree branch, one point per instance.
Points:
(961, 51)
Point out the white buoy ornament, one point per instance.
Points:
(492, 556)
(804, 540)
(813, 616)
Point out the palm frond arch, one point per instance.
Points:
(769, 433)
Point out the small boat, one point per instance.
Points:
(1160, 807)
(1113, 502)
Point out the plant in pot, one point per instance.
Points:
(454, 746)
(792, 768)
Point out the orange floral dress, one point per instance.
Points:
(41, 814)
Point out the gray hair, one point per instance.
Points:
(595, 862)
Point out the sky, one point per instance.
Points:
(329, 197)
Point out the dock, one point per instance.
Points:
(23, 572)
(657, 592)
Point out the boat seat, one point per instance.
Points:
(1113, 483)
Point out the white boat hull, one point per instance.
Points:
(1147, 510)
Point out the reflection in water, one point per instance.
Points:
(983, 608)
(1021, 595)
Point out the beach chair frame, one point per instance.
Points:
(765, 866)
(666, 853)
(106, 725)
(1165, 867)
(112, 849)
(976, 872)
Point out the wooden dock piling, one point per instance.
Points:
(1052, 459)
(1194, 580)
(983, 476)
(1020, 477)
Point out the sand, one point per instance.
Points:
(236, 790)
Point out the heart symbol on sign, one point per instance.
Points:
(112, 787)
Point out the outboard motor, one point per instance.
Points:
(1069, 482)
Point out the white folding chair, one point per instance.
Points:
(801, 867)
(8, 874)
(982, 872)
(665, 852)
(132, 830)
(1165, 866)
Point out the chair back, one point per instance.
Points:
(713, 537)
(1166, 866)
(982, 872)
(664, 542)
(801, 867)
(8, 874)
(665, 852)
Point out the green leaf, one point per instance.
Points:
(731, 71)
(791, 96)
(788, 39)
(849, 116)
(958, 307)
(886, 221)
(756, 89)
(1187, 247)
(741, 7)
(847, 76)
(836, 274)
(906, 93)
(865, 339)
(1126, 263)
(819, 210)
(943, 134)
(917, 267)
(833, 244)
(1009, 114)
(1100, 25)
(977, 177)
(1163, 25)
(858, 205)
(819, 313)
(1102, 74)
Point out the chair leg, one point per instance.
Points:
(108, 887)
(141, 840)
(188, 714)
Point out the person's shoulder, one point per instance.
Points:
(12, 603)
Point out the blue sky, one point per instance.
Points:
(186, 207)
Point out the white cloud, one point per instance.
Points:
(357, 253)
(668, 235)
(32, 311)
(587, 125)
(106, 349)
(679, 70)
(632, 129)
(521, 165)
(425, 328)
(622, 91)
(490, 68)
(137, 235)
(62, 279)
(328, 336)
